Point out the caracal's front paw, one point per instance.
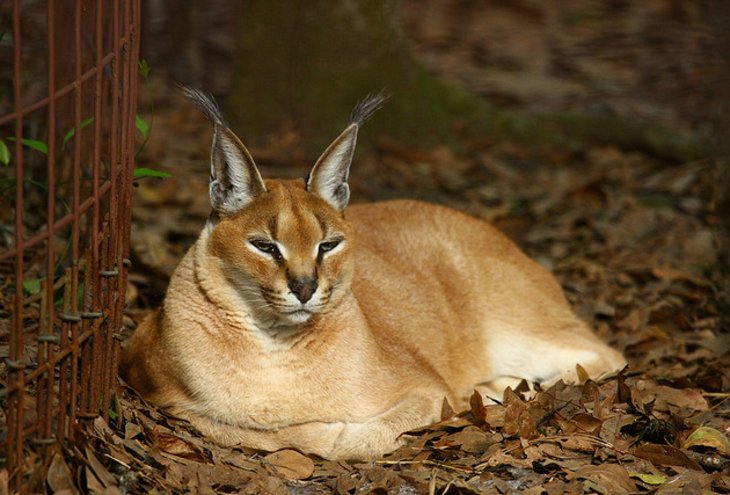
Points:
(366, 441)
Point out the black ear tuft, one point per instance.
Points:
(368, 106)
(205, 104)
(234, 179)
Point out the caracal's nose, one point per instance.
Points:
(304, 288)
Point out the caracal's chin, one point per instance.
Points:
(296, 317)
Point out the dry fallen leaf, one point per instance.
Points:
(583, 423)
(447, 412)
(608, 479)
(131, 430)
(291, 464)
(101, 472)
(665, 455)
(583, 375)
(710, 438)
(478, 411)
(472, 439)
(174, 445)
(59, 475)
(514, 407)
(682, 398)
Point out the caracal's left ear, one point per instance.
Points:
(234, 179)
(328, 178)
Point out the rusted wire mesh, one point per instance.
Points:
(67, 131)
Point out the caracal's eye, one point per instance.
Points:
(267, 247)
(328, 246)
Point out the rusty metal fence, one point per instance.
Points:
(68, 84)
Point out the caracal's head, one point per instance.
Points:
(284, 245)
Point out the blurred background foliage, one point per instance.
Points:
(639, 74)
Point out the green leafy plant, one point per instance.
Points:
(71, 133)
(144, 69)
(144, 128)
(4, 153)
(141, 172)
(33, 144)
(32, 286)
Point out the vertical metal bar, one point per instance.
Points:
(64, 403)
(77, 142)
(133, 25)
(85, 356)
(115, 145)
(42, 393)
(98, 99)
(51, 210)
(16, 374)
(74, 358)
(136, 28)
(128, 134)
(66, 377)
(116, 154)
(107, 373)
(67, 369)
(127, 138)
(77, 396)
(95, 264)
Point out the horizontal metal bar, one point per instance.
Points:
(72, 318)
(42, 236)
(46, 366)
(43, 441)
(58, 94)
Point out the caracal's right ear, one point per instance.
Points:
(234, 179)
(328, 178)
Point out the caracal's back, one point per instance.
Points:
(457, 290)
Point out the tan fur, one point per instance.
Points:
(419, 303)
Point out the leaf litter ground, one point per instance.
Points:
(638, 246)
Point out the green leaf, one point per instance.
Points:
(33, 144)
(144, 68)
(142, 126)
(72, 132)
(36, 145)
(112, 413)
(32, 286)
(4, 153)
(650, 479)
(148, 172)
